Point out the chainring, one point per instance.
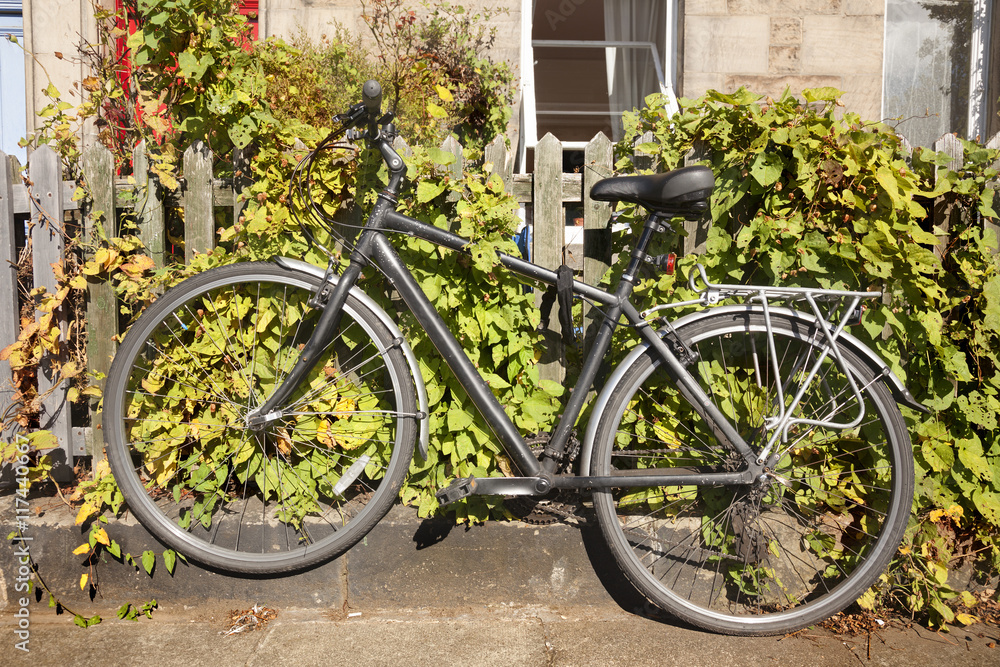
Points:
(558, 506)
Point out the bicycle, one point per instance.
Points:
(748, 463)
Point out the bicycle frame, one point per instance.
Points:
(374, 246)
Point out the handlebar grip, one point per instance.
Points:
(371, 95)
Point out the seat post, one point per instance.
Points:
(653, 225)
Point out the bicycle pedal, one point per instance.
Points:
(462, 487)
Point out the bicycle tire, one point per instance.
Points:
(297, 492)
(788, 550)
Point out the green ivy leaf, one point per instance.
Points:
(169, 560)
(824, 94)
(427, 190)
(441, 157)
(767, 168)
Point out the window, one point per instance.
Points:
(13, 114)
(584, 62)
(941, 68)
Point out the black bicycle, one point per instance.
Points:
(747, 463)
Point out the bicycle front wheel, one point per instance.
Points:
(302, 489)
(798, 544)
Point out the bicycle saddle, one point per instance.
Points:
(682, 191)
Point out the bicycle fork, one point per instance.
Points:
(329, 320)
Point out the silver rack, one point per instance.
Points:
(830, 323)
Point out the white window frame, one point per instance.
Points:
(13, 107)
(980, 68)
(666, 71)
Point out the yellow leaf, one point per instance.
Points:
(435, 111)
(444, 94)
(103, 256)
(82, 549)
(323, 434)
(143, 262)
(70, 370)
(284, 441)
(101, 469)
(83, 580)
(137, 266)
(85, 511)
(345, 404)
(967, 619)
(101, 536)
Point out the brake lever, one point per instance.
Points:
(354, 115)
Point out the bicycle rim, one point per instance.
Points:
(298, 491)
(795, 546)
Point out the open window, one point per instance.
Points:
(942, 68)
(585, 62)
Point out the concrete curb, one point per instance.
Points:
(405, 562)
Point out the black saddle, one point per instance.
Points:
(681, 192)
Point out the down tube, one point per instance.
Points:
(453, 354)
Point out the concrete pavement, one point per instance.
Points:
(414, 593)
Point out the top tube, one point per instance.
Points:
(395, 221)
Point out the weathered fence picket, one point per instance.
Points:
(149, 212)
(547, 242)
(48, 235)
(202, 197)
(199, 201)
(597, 164)
(102, 310)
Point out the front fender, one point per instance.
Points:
(418, 379)
(859, 349)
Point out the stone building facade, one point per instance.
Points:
(771, 45)
(581, 61)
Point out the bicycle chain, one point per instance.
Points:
(565, 505)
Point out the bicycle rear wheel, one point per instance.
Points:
(302, 489)
(798, 544)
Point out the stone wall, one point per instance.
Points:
(771, 45)
(53, 30)
(314, 18)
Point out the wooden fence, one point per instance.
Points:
(47, 210)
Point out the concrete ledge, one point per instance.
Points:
(405, 562)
